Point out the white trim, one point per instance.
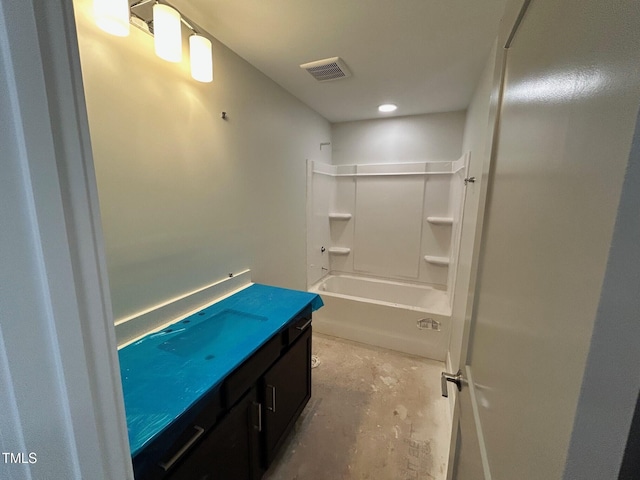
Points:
(386, 174)
(392, 164)
(211, 286)
(136, 326)
(425, 168)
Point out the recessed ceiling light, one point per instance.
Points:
(387, 107)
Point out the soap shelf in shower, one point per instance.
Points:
(339, 216)
(339, 250)
(440, 220)
(442, 261)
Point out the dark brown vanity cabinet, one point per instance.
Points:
(246, 438)
(287, 389)
(231, 451)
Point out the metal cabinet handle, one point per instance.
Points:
(273, 399)
(304, 326)
(169, 463)
(450, 377)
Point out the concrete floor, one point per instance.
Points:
(374, 414)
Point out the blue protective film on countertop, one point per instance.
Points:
(165, 373)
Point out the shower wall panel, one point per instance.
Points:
(436, 239)
(321, 198)
(456, 211)
(342, 232)
(388, 225)
(398, 221)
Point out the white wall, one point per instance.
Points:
(187, 197)
(417, 138)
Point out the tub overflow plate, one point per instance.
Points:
(428, 324)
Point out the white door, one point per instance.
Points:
(566, 119)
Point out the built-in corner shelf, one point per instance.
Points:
(339, 216)
(440, 220)
(442, 261)
(339, 250)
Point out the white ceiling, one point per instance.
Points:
(424, 55)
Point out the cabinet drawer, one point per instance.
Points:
(182, 435)
(300, 324)
(246, 375)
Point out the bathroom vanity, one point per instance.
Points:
(214, 395)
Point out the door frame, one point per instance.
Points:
(50, 158)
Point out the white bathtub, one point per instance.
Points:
(385, 313)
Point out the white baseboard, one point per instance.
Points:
(132, 328)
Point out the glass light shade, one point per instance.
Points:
(167, 33)
(387, 107)
(201, 60)
(112, 16)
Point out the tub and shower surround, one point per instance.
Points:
(394, 221)
(382, 228)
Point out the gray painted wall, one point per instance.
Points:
(416, 138)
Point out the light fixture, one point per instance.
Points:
(387, 108)
(201, 60)
(167, 32)
(164, 23)
(112, 16)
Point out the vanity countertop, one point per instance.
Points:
(165, 373)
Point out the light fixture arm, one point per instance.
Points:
(189, 26)
(148, 19)
(141, 2)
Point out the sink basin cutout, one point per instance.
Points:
(188, 340)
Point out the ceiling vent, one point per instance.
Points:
(328, 69)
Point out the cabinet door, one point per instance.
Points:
(230, 451)
(286, 388)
